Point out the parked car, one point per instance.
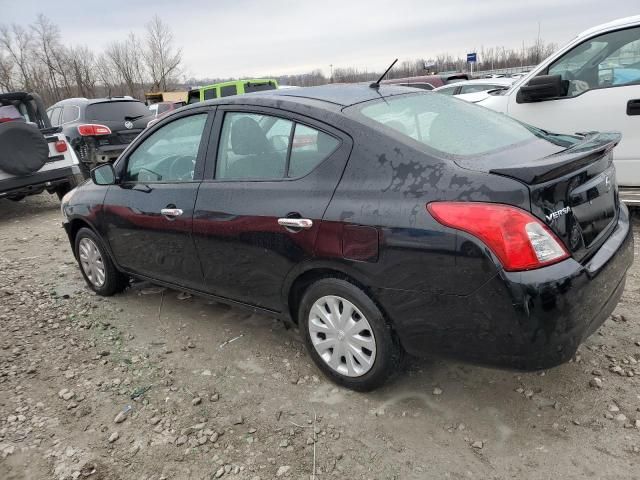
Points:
(99, 129)
(226, 89)
(592, 83)
(358, 214)
(475, 90)
(34, 156)
(428, 82)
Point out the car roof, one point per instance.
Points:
(337, 94)
(619, 22)
(91, 101)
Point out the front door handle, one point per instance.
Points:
(287, 222)
(171, 212)
(633, 107)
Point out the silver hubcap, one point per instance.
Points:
(342, 336)
(91, 262)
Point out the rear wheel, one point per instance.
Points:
(346, 335)
(96, 266)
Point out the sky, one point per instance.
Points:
(236, 38)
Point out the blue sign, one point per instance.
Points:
(471, 57)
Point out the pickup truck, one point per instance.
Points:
(592, 83)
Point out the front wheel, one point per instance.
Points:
(347, 336)
(96, 265)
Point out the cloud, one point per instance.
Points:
(225, 38)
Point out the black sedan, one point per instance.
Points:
(379, 219)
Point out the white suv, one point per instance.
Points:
(593, 83)
(34, 156)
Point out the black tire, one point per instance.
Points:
(114, 281)
(23, 149)
(388, 349)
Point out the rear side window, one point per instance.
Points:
(447, 90)
(451, 127)
(258, 87)
(264, 147)
(210, 94)
(116, 111)
(71, 113)
(309, 148)
(228, 91)
(54, 116)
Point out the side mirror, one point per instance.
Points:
(542, 87)
(104, 175)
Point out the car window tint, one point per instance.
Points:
(228, 91)
(210, 94)
(253, 146)
(448, 126)
(309, 148)
(169, 154)
(609, 60)
(258, 87)
(70, 114)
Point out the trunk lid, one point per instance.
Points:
(572, 186)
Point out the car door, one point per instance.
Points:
(148, 216)
(270, 177)
(603, 79)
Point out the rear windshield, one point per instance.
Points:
(116, 111)
(450, 126)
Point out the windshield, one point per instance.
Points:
(451, 127)
(116, 111)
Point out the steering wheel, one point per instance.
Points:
(182, 167)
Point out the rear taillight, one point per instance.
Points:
(92, 130)
(517, 238)
(61, 146)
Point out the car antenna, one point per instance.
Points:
(376, 84)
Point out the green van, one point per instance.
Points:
(226, 89)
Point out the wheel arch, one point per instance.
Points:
(299, 280)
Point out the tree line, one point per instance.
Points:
(35, 58)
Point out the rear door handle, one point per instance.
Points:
(304, 223)
(171, 212)
(633, 107)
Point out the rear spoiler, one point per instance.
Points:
(595, 146)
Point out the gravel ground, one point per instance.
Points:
(148, 385)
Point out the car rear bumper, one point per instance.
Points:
(38, 181)
(523, 320)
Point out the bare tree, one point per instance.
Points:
(162, 58)
(16, 41)
(124, 59)
(82, 64)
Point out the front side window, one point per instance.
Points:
(264, 147)
(609, 60)
(169, 154)
(449, 126)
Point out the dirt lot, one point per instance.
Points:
(143, 386)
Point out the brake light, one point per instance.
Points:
(92, 130)
(517, 238)
(61, 146)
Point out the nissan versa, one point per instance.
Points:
(380, 219)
